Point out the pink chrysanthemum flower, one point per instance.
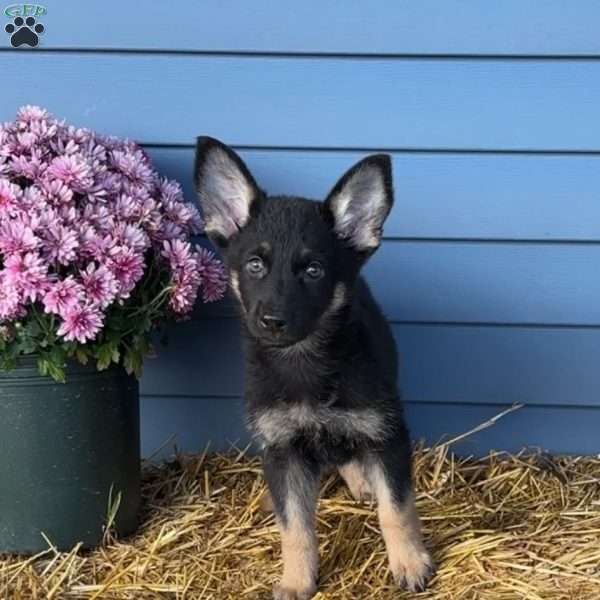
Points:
(63, 295)
(131, 236)
(183, 295)
(95, 245)
(212, 274)
(9, 299)
(28, 165)
(185, 216)
(29, 113)
(61, 244)
(29, 274)
(56, 191)
(16, 237)
(100, 285)
(125, 207)
(178, 253)
(26, 140)
(133, 166)
(169, 231)
(127, 266)
(81, 322)
(10, 195)
(71, 170)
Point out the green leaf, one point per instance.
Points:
(104, 356)
(27, 345)
(108, 353)
(133, 363)
(8, 362)
(81, 355)
(57, 372)
(42, 366)
(58, 355)
(32, 329)
(115, 355)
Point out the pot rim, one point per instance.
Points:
(27, 369)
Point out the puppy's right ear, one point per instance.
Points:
(225, 188)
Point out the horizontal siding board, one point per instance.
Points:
(191, 424)
(463, 196)
(476, 282)
(552, 429)
(472, 104)
(438, 364)
(380, 26)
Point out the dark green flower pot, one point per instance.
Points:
(64, 450)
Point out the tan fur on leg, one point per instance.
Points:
(266, 502)
(300, 555)
(410, 563)
(354, 476)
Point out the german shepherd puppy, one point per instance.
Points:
(321, 363)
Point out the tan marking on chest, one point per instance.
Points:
(281, 424)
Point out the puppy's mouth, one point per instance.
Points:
(282, 339)
(277, 341)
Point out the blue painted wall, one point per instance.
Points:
(490, 268)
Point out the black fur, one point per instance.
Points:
(321, 379)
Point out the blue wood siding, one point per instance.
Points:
(413, 27)
(447, 195)
(321, 102)
(489, 271)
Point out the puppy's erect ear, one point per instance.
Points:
(225, 187)
(360, 202)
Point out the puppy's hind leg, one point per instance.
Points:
(266, 502)
(354, 475)
(293, 483)
(389, 473)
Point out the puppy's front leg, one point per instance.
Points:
(390, 477)
(293, 482)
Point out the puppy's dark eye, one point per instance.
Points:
(314, 270)
(255, 267)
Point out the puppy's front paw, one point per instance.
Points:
(413, 569)
(285, 593)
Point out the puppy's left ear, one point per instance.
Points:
(361, 201)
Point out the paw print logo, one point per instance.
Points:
(24, 32)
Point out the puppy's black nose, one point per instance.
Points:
(273, 323)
